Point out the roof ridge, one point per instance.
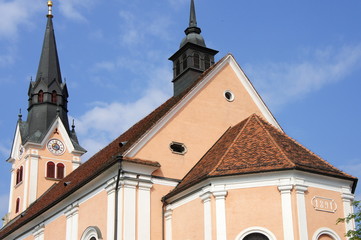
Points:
(233, 141)
(261, 122)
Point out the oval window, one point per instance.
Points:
(178, 148)
(229, 95)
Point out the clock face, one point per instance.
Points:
(56, 147)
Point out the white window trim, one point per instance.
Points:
(327, 231)
(91, 232)
(251, 230)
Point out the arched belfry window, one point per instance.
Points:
(60, 171)
(177, 68)
(17, 205)
(184, 59)
(196, 60)
(54, 97)
(40, 96)
(50, 170)
(207, 62)
(21, 174)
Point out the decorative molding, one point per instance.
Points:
(143, 220)
(38, 232)
(287, 217)
(327, 231)
(168, 224)
(301, 210)
(207, 216)
(221, 226)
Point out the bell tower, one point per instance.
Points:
(193, 56)
(45, 149)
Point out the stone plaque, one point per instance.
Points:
(324, 204)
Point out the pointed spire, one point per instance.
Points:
(192, 17)
(49, 67)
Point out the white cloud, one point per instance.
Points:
(16, 13)
(74, 9)
(281, 83)
(4, 151)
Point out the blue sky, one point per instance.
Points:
(304, 58)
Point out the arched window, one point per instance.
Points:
(17, 206)
(21, 174)
(196, 60)
(92, 233)
(50, 170)
(256, 236)
(177, 68)
(54, 97)
(17, 176)
(184, 59)
(60, 171)
(207, 62)
(325, 234)
(325, 237)
(40, 96)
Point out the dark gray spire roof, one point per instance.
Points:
(49, 67)
(193, 33)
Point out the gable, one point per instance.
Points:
(200, 118)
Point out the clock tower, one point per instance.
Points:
(45, 149)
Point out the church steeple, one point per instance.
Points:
(48, 95)
(193, 56)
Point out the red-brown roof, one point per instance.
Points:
(254, 146)
(98, 162)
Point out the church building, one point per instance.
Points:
(210, 163)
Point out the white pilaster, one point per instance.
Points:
(120, 212)
(144, 210)
(168, 224)
(301, 211)
(72, 222)
(221, 225)
(11, 189)
(288, 232)
(110, 188)
(347, 199)
(206, 198)
(129, 209)
(26, 184)
(39, 232)
(33, 177)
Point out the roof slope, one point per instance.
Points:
(254, 146)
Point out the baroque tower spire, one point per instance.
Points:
(48, 95)
(193, 56)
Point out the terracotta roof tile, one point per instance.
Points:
(254, 146)
(98, 162)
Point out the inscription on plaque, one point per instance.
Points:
(324, 204)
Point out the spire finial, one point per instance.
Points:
(192, 16)
(73, 126)
(20, 115)
(57, 110)
(50, 9)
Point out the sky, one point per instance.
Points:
(303, 57)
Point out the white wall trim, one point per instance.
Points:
(327, 231)
(72, 218)
(144, 210)
(221, 224)
(261, 230)
(168, 224)
(38, 232)
(207, 215)
(33, 178)
(12, 177)
(347, 199)
(129, 221)
(91, 232)
(301, 211)
(110, 188)
(26, 183)
(287, 217)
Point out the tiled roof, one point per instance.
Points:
(254, 146)
(98, 162)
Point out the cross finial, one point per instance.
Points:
(20, 115)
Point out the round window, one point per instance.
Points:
(229, 95)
